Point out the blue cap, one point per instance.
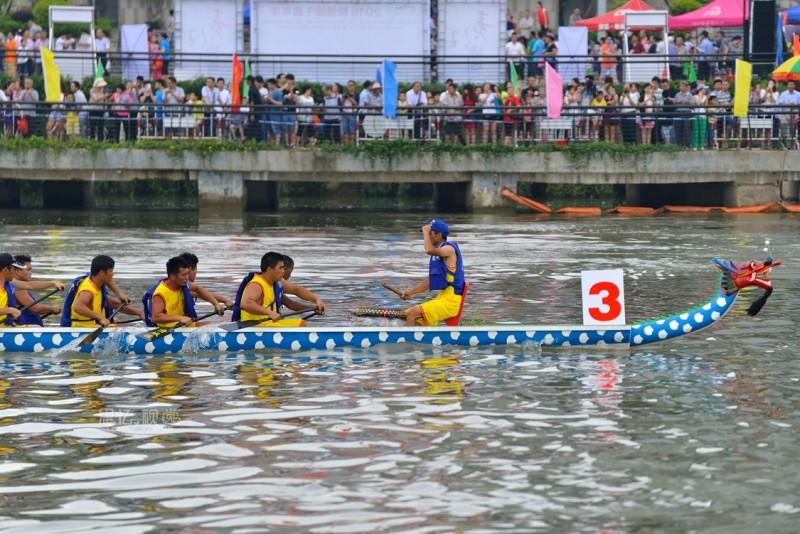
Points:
(438, 225)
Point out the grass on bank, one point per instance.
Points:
(375, 150)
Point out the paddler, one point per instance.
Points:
(196, 289)
(260, 294)
(169, 301)
(288, 268)
(33, 315)
(88, 302)
(445, 275)
(8, 286)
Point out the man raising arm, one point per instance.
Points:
(445, 275)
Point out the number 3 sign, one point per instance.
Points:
(603, 296)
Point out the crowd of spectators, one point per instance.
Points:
(529, 50)
(695, 112)
(277, 110)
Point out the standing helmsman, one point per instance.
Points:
(445, 275)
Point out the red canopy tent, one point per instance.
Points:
(614, 20)
(716, 14)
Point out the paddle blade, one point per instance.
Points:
(758, 304)
(88, 340)
(152, 335)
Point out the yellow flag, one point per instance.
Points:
(741, 100)
(52, 76)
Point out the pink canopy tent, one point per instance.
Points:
(614, 20)
(716, 14)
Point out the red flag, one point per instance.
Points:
(236, 83)
(795, 45)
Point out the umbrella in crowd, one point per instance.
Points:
(789, 70)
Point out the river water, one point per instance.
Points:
(695, 434)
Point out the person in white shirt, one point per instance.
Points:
(80, 106)
(208, 96)
(222, 103)
(25, 55)
(102, 46)
(62, 43)
(416, 100)
(628, 107)
(525, 24)
(39, 40)
(515, 53)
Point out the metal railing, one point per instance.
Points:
(693, 127)
(333, 67)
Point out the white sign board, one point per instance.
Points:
(573, 47)
(603, 297)
(207, 27)
(643, 67)
(349, 28)
(471, 30)
(133, 45)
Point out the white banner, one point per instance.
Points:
(343, 27)
(207, 27)
(643, 67)
(573, 47)
(472, 29)
(133, 45)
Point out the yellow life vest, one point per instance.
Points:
(97, 303)
(268, 301)
(173, 302)
(3, 302)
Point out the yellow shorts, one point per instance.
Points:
(443, 306)
(283, 323)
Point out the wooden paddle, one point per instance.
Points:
(158, 333)
(392, 289)
(238, 325)
(375, 311)
(88, 340)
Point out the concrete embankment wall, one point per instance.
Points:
(47, 178)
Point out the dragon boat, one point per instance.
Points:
(734, 277)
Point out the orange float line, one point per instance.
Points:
(580, 212)
(635, 211)
(769, 207)
(690, 209)
(525, 201)
(791, 208)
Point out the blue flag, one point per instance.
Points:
(779, 43)
(389, 82)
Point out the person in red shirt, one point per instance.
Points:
(511, 116)
(470, 130)
(541, 16)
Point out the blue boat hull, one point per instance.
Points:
(125, 340)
